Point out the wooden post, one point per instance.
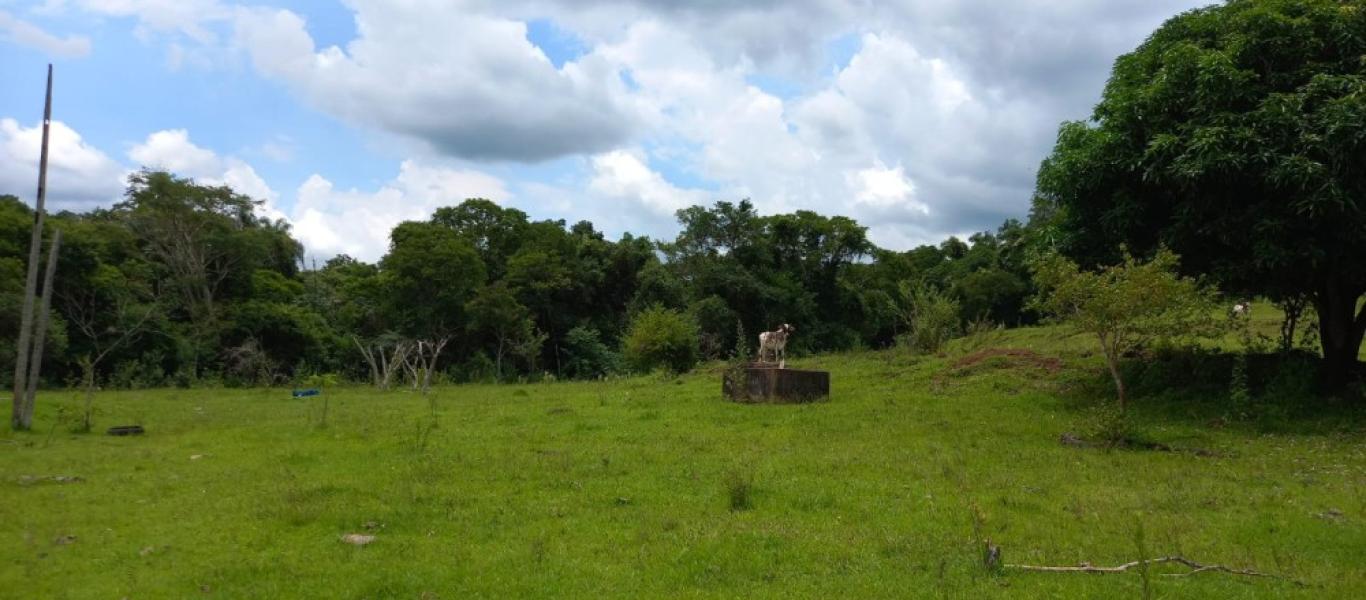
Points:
(25, 348)
(35, 364)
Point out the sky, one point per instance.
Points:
(921, 119)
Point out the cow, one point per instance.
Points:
(1242, 309)
(775, 342)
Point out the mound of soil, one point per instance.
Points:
(1013, 358)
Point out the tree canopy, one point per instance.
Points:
(1236, 136)
(226, 295)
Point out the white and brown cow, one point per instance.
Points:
(775, 343)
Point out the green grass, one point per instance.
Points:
(654, 487)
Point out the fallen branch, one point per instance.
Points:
(1194, 566)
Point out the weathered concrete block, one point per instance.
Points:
(767, 383)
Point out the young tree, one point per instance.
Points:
(1236, 135)
(661, 337)
(1126, 305)
(108, 311)
(497, 316)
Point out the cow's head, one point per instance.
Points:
(788, 328)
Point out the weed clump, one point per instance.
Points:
(739, 490)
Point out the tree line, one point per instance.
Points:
(181, 283)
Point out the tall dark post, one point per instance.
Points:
(35, 245)
(35, 362)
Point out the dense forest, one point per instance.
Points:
(185, 284)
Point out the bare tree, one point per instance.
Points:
(422, 361)
(130, 319)
(385, 356)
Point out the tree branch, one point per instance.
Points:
(1181, 560)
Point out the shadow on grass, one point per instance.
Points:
(1201, 388)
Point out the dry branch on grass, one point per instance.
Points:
(1194, 566)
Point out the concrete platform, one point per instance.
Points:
(761, 382)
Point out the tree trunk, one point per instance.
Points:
(88, 377)
(369, 358)
(1112, 363)
(498, 358)
(1341, 329)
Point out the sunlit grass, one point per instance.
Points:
(657, 487)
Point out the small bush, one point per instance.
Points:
(661, 338)
(930, 314)
(586, 357)
(1110, 426)
(478, 368)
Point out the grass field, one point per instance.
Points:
(652, 487)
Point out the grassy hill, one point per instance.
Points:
(656, 487)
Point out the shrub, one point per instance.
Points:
(660, 337)
(716, 326)
(478, 368)
(930, 314)
(586, 357)
(1126, 306)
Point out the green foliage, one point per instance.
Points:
(429, 274)
(1128, 305)
(586, 356)
(321, 380)
(501, 322)
(716, 326)
(1110, 425)
(929, 315)
(661, 338)
(1236, 135)
(228, 302)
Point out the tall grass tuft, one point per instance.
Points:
(739, 489)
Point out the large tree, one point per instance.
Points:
(1235, 135)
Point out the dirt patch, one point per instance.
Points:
(1010, 358)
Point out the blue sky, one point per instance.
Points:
(920, 119)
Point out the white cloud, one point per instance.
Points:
(622, 177)
(468, 85)
(189, 18)
(330, 221)
(883, 187)
(24, 33)
(172, 150)
(79, 176)
(961, 98)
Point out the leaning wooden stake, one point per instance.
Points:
(35, 364)
(21, 362)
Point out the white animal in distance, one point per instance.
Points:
(775, 343)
